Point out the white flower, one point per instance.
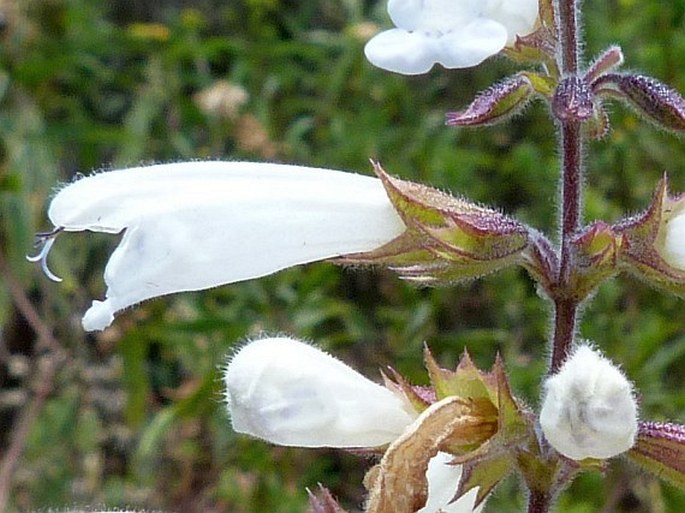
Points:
(589, 410)
(196, 225)
(291, 393)
(671, 240)
(443, 479)
(454, 33)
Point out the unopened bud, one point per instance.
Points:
(595, 257)
(671, 239)
(589, 410)
(495, 104)
(610, 59)
(655, 100)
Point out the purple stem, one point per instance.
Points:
(567, 18)
(539, 502)
(565, 301)
(565, 304)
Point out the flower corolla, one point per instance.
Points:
(290, 393)
(589, 410)
(453, 33)
(443, 478)
(192, 226)
(671, 239)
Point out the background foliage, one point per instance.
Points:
(133, 416)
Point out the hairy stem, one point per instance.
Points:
(567, 18)
(568, 117)
(539, 502)
(565, 303)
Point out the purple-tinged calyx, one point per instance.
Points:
(656, 101)
(660, 449)
(495, 104)
(653, 243)
(447, 239)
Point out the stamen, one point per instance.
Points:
(45, 240)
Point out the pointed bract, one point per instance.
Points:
(419, 397)
(323, 502)
(653, 243)
(484, 474)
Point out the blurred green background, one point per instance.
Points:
(133, 416)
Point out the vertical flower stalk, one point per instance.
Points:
(565, 111)
(569, 116)
(565, 305)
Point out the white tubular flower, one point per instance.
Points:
(443, 480)
(671, 240)
(589, 410)
(196, 225)
(290, 393)
(453, 33)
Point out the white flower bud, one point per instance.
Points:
(589, 410)
(290, 393)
